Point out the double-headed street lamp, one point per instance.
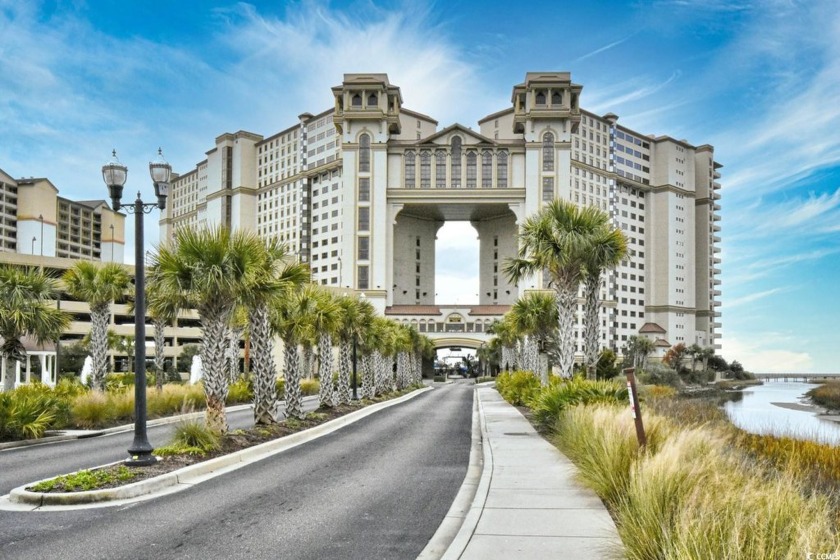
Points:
(114, 173)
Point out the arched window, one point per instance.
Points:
(364, 153)
(540, 98)
(356, 101)
(455, 165)
(440, 169)
(410, 170)
(372, 100)
(471, 169)
(502, 169)
(486, 169)
(556, 98)
(548, 152)
(425, 169)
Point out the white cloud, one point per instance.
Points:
(752, 297)
(767, 353)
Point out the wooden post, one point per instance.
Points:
(635, 406)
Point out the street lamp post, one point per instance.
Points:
(41, 219)
(112, 242)
(115, 174)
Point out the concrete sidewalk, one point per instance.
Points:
(528, 503)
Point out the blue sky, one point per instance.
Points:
(758, 80)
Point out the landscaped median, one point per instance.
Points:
(193, 474)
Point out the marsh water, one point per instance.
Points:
(755, 412)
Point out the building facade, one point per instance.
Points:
(359, 191)
(34, 220)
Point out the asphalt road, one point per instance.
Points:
(21, 465)
(378, 488)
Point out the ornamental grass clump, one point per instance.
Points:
(92, 410)
(548, 403)
(601, 441)
(192, 438)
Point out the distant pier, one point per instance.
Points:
(801, 377)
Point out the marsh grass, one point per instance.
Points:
(827, 395)
(695, 491)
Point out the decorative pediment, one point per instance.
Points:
(468, 137)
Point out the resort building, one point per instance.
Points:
(360, 189)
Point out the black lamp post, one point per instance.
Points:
(114, 173)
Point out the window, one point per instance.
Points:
(410, 170)
(356, 101)
(540, 98)
(364, 219)
(364, 189)
(548, 152)
(556, 98)
(364, 153)
(471, 169)
(364, 248)
(425, 169)
(548, 189)
(363, 281)
(455, 170)
(371, 100)
(486, 169)
(501, 169)
(440, 169)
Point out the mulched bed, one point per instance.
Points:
(235, 441)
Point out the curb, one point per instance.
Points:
(470, 520)
(454, 519)
(199, 472)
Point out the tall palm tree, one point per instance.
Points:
(163, 313)
(325, 320)
(402, 347)
(355, 315)
(556, 241)
(26, 309)
(276, 279)
(208, 270)
(99, 285)
(608, 248)
(371, 344)
(290, 319)
(508, 338)
(535, 315)
(639, 348)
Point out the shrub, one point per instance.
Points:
(659, 374)
(551, 401)
(519, 387)
(280, 384)
(439, 378)
(309, 387)
(23, 416)
(241, 391)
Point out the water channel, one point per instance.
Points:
(758, 411)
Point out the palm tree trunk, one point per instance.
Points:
(213, 349)
(264, 369)
(160, 340)
(418, 368)
(344, 366)
(233, 354)
(294, 405)
(381, 380)
(325, 392)
(307, 362)
(368, 381)
(590, 326)
(100, 316)
(402, 370)
(566, 297)
(9, 380)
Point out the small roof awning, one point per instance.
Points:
(652, 328)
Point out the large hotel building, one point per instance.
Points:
(359, 191)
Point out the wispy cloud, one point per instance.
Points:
(753, 297)
(602, 49)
